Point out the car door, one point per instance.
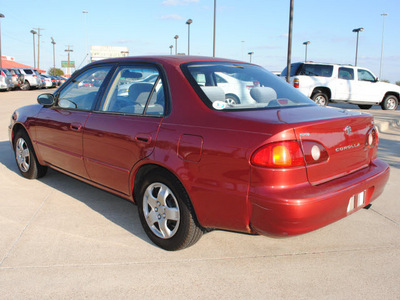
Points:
(59, 128)
(366, 88)
(124, 128)
(344, 87)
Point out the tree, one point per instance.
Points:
(55, 72)
(398, 82)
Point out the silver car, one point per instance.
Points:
(5, 80)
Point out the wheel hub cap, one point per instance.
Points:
(161, 210)
(22, 155)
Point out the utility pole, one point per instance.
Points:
(69, 52)
(54, 55)
(38, 55)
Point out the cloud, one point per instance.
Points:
(178, 2)
(171, 17)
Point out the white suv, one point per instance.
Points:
(343, 83)
(31, 79)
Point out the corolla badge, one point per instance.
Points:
(347, 130)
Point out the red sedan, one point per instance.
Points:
(271, 162)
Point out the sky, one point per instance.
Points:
(148, 27)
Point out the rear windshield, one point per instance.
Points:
(28, 71)
(232, 86)
(293, 69)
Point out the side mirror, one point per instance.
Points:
(46, 99)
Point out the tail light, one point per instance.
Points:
(3, 74)
(372, 138)
(288, 154)
(296, 83)
(285, 154)
(34, 75)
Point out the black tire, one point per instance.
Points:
(390, 102)
(320, 98)
(168, 221)
(26, 86)
(364, 106)
(232, 99)
(25, 157)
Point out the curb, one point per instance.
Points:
(384, 126)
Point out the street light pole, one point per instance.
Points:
(215, 21)
(176, 44)
(34, 52)
(170, 49)
(250, 54)
(289, 53)
(306, 44)
(383, 31)
(54, 55)
(85, 12)
(358, 32)
(1, 61)
(188, 22)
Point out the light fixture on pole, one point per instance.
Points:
(1, 61)
(188, 22)
(250, 54)
(358, 32)
(85, 12)
(306, 44)
(176, 44)
(383, 31)
(170, 49)
(34, 52)
(54, 55)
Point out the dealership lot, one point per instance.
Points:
(61, 238)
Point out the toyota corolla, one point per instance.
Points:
(274, 163)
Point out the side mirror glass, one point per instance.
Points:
(46, 99)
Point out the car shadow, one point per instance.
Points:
(117, 210)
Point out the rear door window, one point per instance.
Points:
(315, 70)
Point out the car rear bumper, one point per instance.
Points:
(282, 212)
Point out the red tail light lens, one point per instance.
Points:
(3, 74)
(372, 138)
(296, 83)
(286, 154)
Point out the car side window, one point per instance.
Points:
(364, 75)
(82, 91)
(346, 73)
(135, 90)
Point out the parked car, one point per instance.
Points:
(6, 80)
(48, 81)
(324, 82)
(31, 79)
(191, 160)
(17, 78)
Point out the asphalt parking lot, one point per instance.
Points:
(61, 238)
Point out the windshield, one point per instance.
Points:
(241, 86)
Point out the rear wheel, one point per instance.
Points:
(232, 99)
(166, 212)
(25, 157)
(390, 103)
(364, 106)
(26, 86)
(320, 98)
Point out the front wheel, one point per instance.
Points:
(390, 103)
(320, 98)
(166, 213)
(25, 157)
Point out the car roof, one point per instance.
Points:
(167, 59)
